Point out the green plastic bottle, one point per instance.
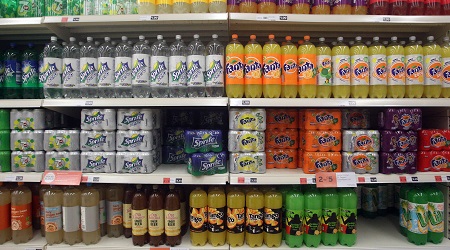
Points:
(435, 215)
(330, 214)
(369, 201)
(418, 221)
(313, 215)
(284, 190)
(403, 209)
(382, 206)
(30, 73)
(295, 205)
(347, 216)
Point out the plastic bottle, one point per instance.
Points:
(5, 214)
(313, 214)
(234, 69)
(403, 209)
(396, 76)
(347, 217)
(414, 69)
(341, 69)
(199, 6)
(435, 215)
(235, 217)
(196, 68)
(254, 201)
(172, 217)
(398, 7)
(267, 6)
(300, 7)
(217, 6)
(432, 7)
(416, 7)
(418, 219)
(432, 63)
(378, 7)
(114, 210)
(30, 74)
(295, 202)
(128, 199)
(359, 7)
(198, 209)
(164, 6)
(156, 217)
(88, 69)
(22, 231)
(25, 8)
(233, 6)
(248, 6)
(147, 7)
(369, 201)
(183, 210)
(378, 70)
(140, 74)
(341, 7)
(307, 69)
(13, 73)
(360, 69)
(90, 225)
(214, 68)
(103, 7)
(71, 213)
(180, 6)
(271, 68)
(216, 216)
(382, 200)
(42, 191)
(177, 69)
(320, 7)
(253, 68)
(159, 69)
(105, 69)
(272, 218)
(284, 6)
(53, 201)
(330, 215)
(445, 91)
(289, 69)
(324, 71)
(71, 70)
(139, 215)
(122, 66)
(445, 8)
(102, 209)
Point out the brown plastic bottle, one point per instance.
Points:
(22, 230)
(41, 208)
(72, 215)
(53, 201)
(114, 210)
(128, 199)
(5, 214)
(36, 206)
(102, 209)
(90, 225)
(156, 217)
(183, 210)
(172, 217)
(139, 217)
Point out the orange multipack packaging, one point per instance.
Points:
(301, 118)
(282, 138)
(282, 118)
(321, 119)
(281, 158)
(314, 162)
(321, 140)
(300, 158)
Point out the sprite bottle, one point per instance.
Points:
(30, 74)
(418, 219)
(435, 215)
(13, 76)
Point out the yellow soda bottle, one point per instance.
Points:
(307, 69)
(324, 72)
(359, 80)
(414, 68)
(446, 68)
(255, 215)
(217, 203)
(273, 203)
(271, 69)
(234, 68)
(432, 69)
(235, 217)
(253, 68)
(289, 70)
(198, 208)
(340, 55)
(378, 69)
(396, 76)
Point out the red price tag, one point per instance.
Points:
(64, 19)
(438, 178)
(166, 180)
(84, 178)
(241, 179)
(61, 178)
(326, 180)
(402, 179)
(303, 181)
(361, 179)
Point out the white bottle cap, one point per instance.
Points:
(89, 39)
(394, 38)
(358, 38)
(321, 39)
(72, 39)
(159, 37)
(53, 39)
(430, 38)
(178, 37)
(412, 38)
(196, 36)
(215, 36)
(107, 39)
(446, 39)
(340, 39)
(155, 187)
(141, 37)
(376, 39)
(124, 38)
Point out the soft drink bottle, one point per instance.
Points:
(313, 214)
(217, 6)
(104, 7)
(320, 7)
(289, 69)
(378, 69)
(273, 203)
(71, 70)
(418, 219)
(140, 70)
(164, 6)
(90, 223)
(114, 208)
(177, 69)
(13, 73)
(235, 217)
(295, 202)
(139, 215)
(284, 6)
(50, 73)
(271, 68)
(5, 214)
(445, 7)
(102, 209)
(341, 7)
(324, 71)
(9, 9)
(199, 6)
(21, 199)
(347, 217)
(445, 92)
(360, 69)
(435, 214)
(172, 217)
(416, 7)
(396, 76)
(147, 7)
(122, 66)
(71, 215)
(183, 210)
(300, 7)
(34, 187)
(341, 70)
(159, 69)
(330, 215)
(156, 217)
(234, 69)
(196, 68)
(30, 73)
(233, 6)
(127, 220)
(403, 209)
(254, 201)
(414, 69)
(216, 216)
(378, 7)
(432, 7)
(307, 69)
(88, 7)
(398, 7)
(42, 191)
(180, 6)
(88, 69)
(382, 199)
(214, 68)
(432, 69)
(248, 6)
(267, 6)
(359, 7)
(56, 7)
(253, 69)
(53, 201)
(198, 208)
(105, 73)
(369, 201)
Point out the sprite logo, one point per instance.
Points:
(97, 140)
(206, 139)
(139, 68)
(132, 141)
(122, 71)
(28, 72)
(214, 71)
(98, 163)
(87, 72)
(211, 163)
(67, 71)
(134, 164)
(158, 72)
(177, 136)
(179, 72)
(133, 119)
(177, 157)
(103, 71)
(194, 69)
(9, 72)
(95, 118)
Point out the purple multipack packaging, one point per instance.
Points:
(398, 163)
(398, 141)
(400, 119)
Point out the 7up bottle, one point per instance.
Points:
(435, 214)
(30, 77)
(214, 68)
(418, 219)
(159, 70)
(56, 7)
(140, 73)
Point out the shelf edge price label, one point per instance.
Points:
(402, 179)
(361, 179)
(149, 18)
(303, 181)
(90, 179)
(172, 180)
(329, 179)
(267, 18)
(61, 178)
(247, 180)
(169, 248)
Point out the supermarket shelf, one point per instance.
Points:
(37, 243)
(23, 29)
(20, 103)
(20, 177)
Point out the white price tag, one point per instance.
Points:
(266, 18)
(148, 18)
(347, 179)
(247, 180)
(92, 179)
(10, 178)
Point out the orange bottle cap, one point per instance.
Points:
(300, 42)
(288, 38)
(252, 37)
(307, 38)
(271, 36)
(234, 36)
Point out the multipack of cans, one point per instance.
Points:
(434, 154)
(360, 151)
(173, 149)
(207, 163)
(5, 153)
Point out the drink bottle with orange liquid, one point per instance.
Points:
(5, 214)
(300, 7)
(284, 6)
(414, 69)
(289, 69)
(254, 201)
(324, 72)
(445, 68)
(53, 201)
(235, 217)
(359, 7)
(156, 216)
(233, 6)
(253, 60)
(267, 6)
(340, 55)
(342, 7)
(273, 203)
(248, 6)
(359, 80)
(234, 68)
(271, 68)
(378, 69)
(396, 69)
(432, 69)
(320, 7)
(21, 210)
(198, 208)
(307, 69)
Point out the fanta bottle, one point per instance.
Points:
(253, 68)
(324, 72)
(313, 215)
(232, 6)
(289, 70)
(267, 6)
(330, 215)
(248, 6)
(295, 202)
(432, 69)
(359, 7)
(198, 208)
(272, 218)
(235, 217)
(307, 69)
(217, 203)
(254, 201)
(272, 69)
(320, 7)
(378, 7)
(341, 69)
(343, 7)
(360, 69)
(414, 69)
(300, 7)
(445, 92)
(378, 69)
(234, 68)
(284, 6)
(396, 69)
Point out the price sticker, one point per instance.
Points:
(413, 179)
(149, 18)
(61, 178)
(438, 178)
(245, 102)
(402, 179)
(247, 180)
(172, 180)
(10, 178)
(329, 179)
(169, 248)
(361, 179)
(267, 18)
(90, 179)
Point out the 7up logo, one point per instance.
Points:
(24, 8)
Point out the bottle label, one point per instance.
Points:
(214, 71)
(330, 221)
(140, 72)
(195, 70)
(307, 69)
(370, 199)
(2, 71)
(436, 217)
(122, 73)
(172, 222)
(177, 71)
(127, 215)
(90, 219)
(324, 70)
(70, 72)
(88, 72)
(30, 77)
(216, 219)
(156, 222)
(294, 222)
(50, 74)
(289, 70)
(341, 70)
(164, 2)
(5, 218)
(446, 72)
(105, 74)
(433, 69)
(403, 215)
(198, 219)
(396, 67)
(140, 222)
(21, 217)
(418, 219)
(360, 70)
(102, 211)
(159, 71)
(53, 219)
(382, 197)
(253, 69)
(378, 72)
(55, 8)
(312, 222)
(414, 69)
(347, 221)
(13, 73)
(254, 222)
(235, 220)
(198, 1)
(71, 219)
(234, 68)
(42, 210)
(114, 212)
(271, 69)
(272, 220)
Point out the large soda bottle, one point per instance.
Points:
(164, 6)
(254, 201)
(232, 6)
(398, 7)
(289, 69)
(359, 7)
(88, 69)
(75, 7)
(253, 69)
(156, 217)
(114, 210)
(435, 214)
(122, 66)
(272, 218)
(177, 69)
(378, 7)
(180, 6)
(198, 209)
(360, 69)
(416, 7)
(313, 215)
(34, 187)
(196, 68)
(71, 215)
(432, 8)
(102, 209)
(105, 74)
(214, 68)
(378, 69)
(341, 69)
(382, 199)
(183, 210)
(172, 217)
(307, 69)
(159, 69)
(30, 73)
(324, 72)
(13, 73)
(341, 7)
(347, 216)
(330, 215)
(139, 215)
(21, 211)
(53, 201)
(199, 6)
(248, 6)
(396, 76)
(418, 219)
(42, 191)
(403, 209)
(445, 8)
(217, 6)
(295, 202)
(300, 7)
(217, 206)
(271, 68)
(5, 214)
(235, 217)
(140, 74)
(89, 7)
(71, 69)
(147, 7)
(127, 200)
(369, 201)
(432, 64)
(90, 224)
(266, 6)
(234, 69)
(445, 92)
(320, 7)
(414, 69)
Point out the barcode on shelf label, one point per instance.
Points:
(351, 103)
(386, 19)
(448, 178)
(172, 180)
(148, 18)
(413, 179)
(32, 248)
(90, 179)
(404, 179)
(266, 18)
(66, 19)
(247, 180)
(309, 180)
(373, 179)
(245, 102)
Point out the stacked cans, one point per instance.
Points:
(399, 141)
(321, 141)
(5, 154)
(176, 123)
(246, 140)
(434, 150)
(62, 148)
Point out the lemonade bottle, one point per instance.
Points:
(267, 6)
(235, 217)
(217, 205)
(156, 216)
(445, 92)
(21, 200)
(71, 215)
(198, 208)
(377, 63)
(341, 69)
(199, 6)
(360, 69)
(248, 6)
(5, 214)
(396, 69)
(235, 68)
(414, 69)
(432, 68)
(307, 69)
(289, 70)
(164, 6)
(272, 218)
(253, 68)
(324, 72)
(42, 191)
(271, 69)
(53, 201)
(254, 213)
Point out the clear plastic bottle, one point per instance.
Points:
(214, 68)
(88, 69)
(103, 7)
(217, 6)
(177, 69)
(377, 69)
(50, 73)
(199, 6)
(122, 66)
(42, 191)
(71, 70)
(105, 69)
(102, 209)
(71, 215)
(359, 80)
(12, 85)
(147, 7)
(90, 224)
(196, 68)
(114, 210)
(140, 73)
(159, 68)
(5, 214)
(21, 198)
(164, 6)
(396, 69)
(432, 63)
(30, 74)
(414, 69)
(53, 201)
(181, 6)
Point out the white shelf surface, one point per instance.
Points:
(37, 243)
(20, 177)
(20, 103)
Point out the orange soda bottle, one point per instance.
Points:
(300, 7)
(248, 6)
(359, 7)
(289, 70)
(272, 68)
(342, 7)
(284, 6)
(307, 69)
(235, 68)
(320, 7)
(267, 6)
(253, 68)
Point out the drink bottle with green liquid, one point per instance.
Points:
(418, 219)
(396, 76)
(403, 209)
(313, 216)
(347, 216)
(432, 69)
(414, 69)
(435, 214)
(340, 55)
(295, 205)
(324, 72)
(359, 79)
(235, 217)
(445, 92)
(330, 214)
(273, 202)
(378, 69)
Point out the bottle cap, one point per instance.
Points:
(394, 38)
(358, 38)
(159, 37)
(376, 39)
(300, 42)
(107, 39)
(20, 183)
(322, 39)
(307, 38)
(430, 38)
(252, 37)
(288, 38)
(178, 37)
(215, 36)
(234, 36)
(53, 38)
(196, 36)
(141, 37)
(340, 39)
(124, 38)
(72, 39)
(271, 37)
(412, 38)
(446, 39)
(138, 186)
(155, 187)
(89, 39)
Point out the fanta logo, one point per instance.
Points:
(282, 139)
(248, 140)
(327, 140)
(380, 70)
(271, 64)
(214, 70)
(306, 69)
(282, 117)
(134, 164)
(234, 67)
(414, 70)
(289, 66)
(406, 120)
(343, 70)
(326, 63)
(245, 163)
(133, 119)
(446, 74)
(397, 70)
(403, 142)
(401, 161)
(253, 65)
(177, 157)
(280, 157)
(95, 118)
(434, 69)
(439, 162)
(361, 70)
(325, 118)
(356, 118)
(323, 162)
(364, 142)
(246, 120)
(98, 163)
(438, 140)
(132, 141)
(360, 161)
(99, 139)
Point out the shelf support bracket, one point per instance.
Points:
(61, 32)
